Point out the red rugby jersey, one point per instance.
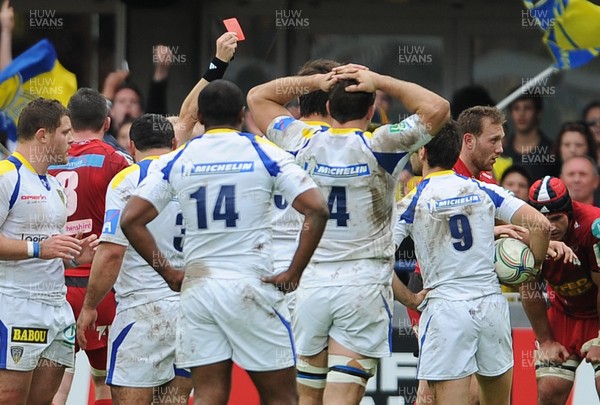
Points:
(570, 287)
(461, 168)
(92, 165)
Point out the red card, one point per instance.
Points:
(233, 25)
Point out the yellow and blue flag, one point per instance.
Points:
(35, 73)
(572, 29)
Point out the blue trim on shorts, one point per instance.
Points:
(423, 341)
(390, 326)
(288, 326)
(3, 344)
(181, 372)
(113, 353)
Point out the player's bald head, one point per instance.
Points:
(221, 103)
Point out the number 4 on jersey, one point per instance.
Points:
(337, 206)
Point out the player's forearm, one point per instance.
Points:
(267, 100)
(312, 230)
(534, 305)
(433, 109)
(188, 114)
(12, 249)
(401, 293)
(104, 273)
(539, 231)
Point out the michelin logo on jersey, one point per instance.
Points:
(450, 203)
(341, 171)
(217, 167)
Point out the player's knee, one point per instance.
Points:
(564, 371)
(311, 376)
(343, 369)
(555, 381)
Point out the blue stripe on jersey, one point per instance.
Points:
(362, 136)
(389, 161)
(167, 169)
(288, 326)
(271, 165)
(75, 162)
(15, 194)
(113, 353)
(408, 215)
(3, 345)
(144, 165)
(496, 198)
(283, 123)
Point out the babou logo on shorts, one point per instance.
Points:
(29, 335)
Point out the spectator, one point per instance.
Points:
(574, 139)
(516, 179)
(527, 145)
(580, 174)
(591, 116)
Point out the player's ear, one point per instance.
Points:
(327, 108)
(106, 126)
(131, 148)
(469, 140)
(371, 112)
(41, 135)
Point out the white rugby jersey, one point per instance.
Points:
(32, 208)
(225, 182)
(357, 173)
(451, 220)
(138, 283)
(286, 220)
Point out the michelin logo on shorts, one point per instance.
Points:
(111, 222)
(29, 335)
(341, 171)
(218, 168)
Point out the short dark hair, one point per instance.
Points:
(315, 101)
(346, 106)
(221, 103)
(443, 150)
(88, 110)
(538, 102)
(151, 131)
(515, 169)
(40, 113)
(471, 120)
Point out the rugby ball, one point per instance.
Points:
(513, 261)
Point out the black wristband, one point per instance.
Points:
(216, 70)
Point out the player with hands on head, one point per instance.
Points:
(339, 346)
